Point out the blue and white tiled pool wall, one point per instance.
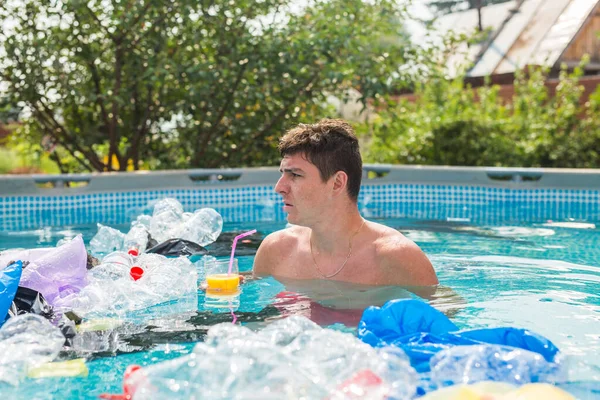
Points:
(476, 204)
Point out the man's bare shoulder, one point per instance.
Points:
(402, 259)
(275, 247)
(283, 238)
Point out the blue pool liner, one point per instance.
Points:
(9, 283)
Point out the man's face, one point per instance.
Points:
(305, 195)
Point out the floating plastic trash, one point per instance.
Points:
(136, 240)
(58, 273)
(26, 341)
(106, 240)
(470, 364)
(30, 301)
(136, 272)
(477, 391)
(537, 391)
(178, 247)
(9, 283)
(291, 358)
(129, 387)
(112, 290)
(99, 324)
(499, 391)
(435, 345)
(168, 222)
(70, 368)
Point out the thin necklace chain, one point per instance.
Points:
(345, 261)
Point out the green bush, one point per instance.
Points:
(451, 124)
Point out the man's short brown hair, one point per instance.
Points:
(331, 146)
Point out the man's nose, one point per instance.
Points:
(281, 186)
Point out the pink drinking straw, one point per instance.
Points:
(235, 239)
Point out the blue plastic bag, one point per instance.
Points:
(422, 331)
(9, 283)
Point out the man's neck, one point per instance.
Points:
(332, 235)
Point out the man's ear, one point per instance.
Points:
(340, 181)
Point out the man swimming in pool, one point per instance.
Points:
(321, 174)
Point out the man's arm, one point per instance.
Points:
(405, 264)
(409, 267)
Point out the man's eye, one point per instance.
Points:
(295, 175)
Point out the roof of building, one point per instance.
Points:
(528, 32)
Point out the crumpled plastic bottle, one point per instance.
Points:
(25, 341)
(292, 358)
(106, 240)
(136, 239)
(203, 227)
(477, 363)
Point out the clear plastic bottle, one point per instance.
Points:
(106, 240)
(136, 240)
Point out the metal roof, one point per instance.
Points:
(536, 33)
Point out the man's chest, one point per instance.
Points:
(358, 268)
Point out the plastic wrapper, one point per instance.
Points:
(26, 341)
(178, 247)
(59, 273)
(235, 362)
(30, 301)
(9, 256)
(9, 282)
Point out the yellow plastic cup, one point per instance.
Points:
(218, 277)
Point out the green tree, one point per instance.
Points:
(187, 83)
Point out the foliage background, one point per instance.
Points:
(187, 84)
(451, 124)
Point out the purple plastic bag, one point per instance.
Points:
(59, 273)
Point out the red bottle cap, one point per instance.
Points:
(136, 272)
(128, 388)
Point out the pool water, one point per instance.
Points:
(544, 276)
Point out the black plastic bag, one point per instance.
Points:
(30, 301)
(178, 247)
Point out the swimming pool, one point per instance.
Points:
(545, 278)
(525, 258)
